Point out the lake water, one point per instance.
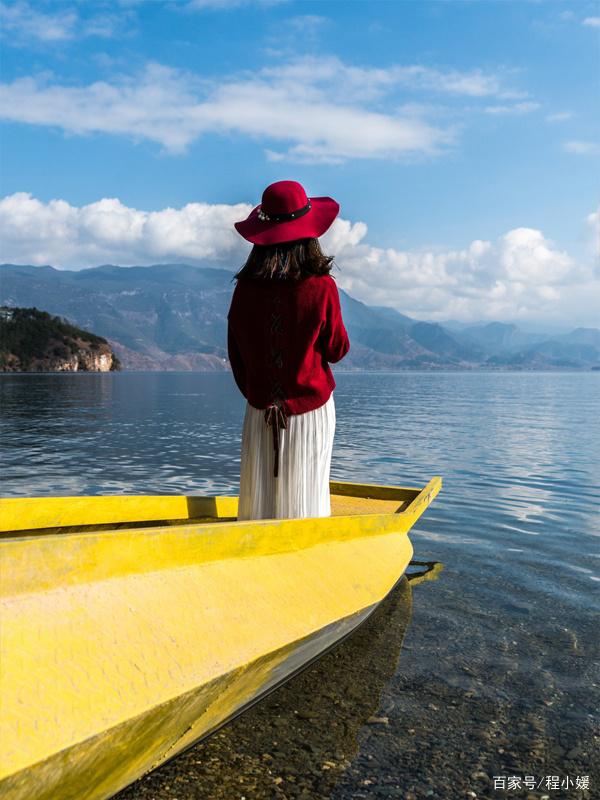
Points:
(457, 684)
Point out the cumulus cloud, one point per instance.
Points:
(174, 107)
(528, 257)
(592, 22)
(63, 235)
(522, 274)
(593, 221)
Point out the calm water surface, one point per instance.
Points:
(490, 671)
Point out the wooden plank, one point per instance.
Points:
(34, 513)
(31, 513)
(45, 562)
(344, 505)
(425, 496)
(373, 490)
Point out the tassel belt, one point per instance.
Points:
(276, 417)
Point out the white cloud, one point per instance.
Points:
(63, 235)
(528, 257)
(158, 106)
(369, 82)
(312, 110)
(308, 25)
(515, 108)
(226, 5)
(104, 26)
(521, 275)
(560, 116)
(592, 22)
(593, 221)
(215, 4)
(24, 22)
(286, 36)
(582, 148)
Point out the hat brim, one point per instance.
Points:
(311, 225)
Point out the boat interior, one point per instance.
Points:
(114, 512)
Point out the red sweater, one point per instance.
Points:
(281, 336)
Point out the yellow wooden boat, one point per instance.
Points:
(319, 718)
(133, 626)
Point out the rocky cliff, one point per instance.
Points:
(35, 341)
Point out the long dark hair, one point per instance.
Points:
(288, 260)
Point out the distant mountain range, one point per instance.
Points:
(173, 317)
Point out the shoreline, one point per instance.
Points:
(432, 370)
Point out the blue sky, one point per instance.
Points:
(460, 138)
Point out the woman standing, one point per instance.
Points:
(284, 328)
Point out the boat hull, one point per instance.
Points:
(122, 648)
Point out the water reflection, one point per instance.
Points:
(299, 741)
(119, 433)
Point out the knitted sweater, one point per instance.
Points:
(282, 334)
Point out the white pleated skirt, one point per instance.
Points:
(302, 487)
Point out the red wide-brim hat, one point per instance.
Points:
(286, 214)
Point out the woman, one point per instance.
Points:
(284, 327)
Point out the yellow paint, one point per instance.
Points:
(35, 513)
(17, 514)
(120, 647)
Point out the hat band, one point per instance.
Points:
(264, 217)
